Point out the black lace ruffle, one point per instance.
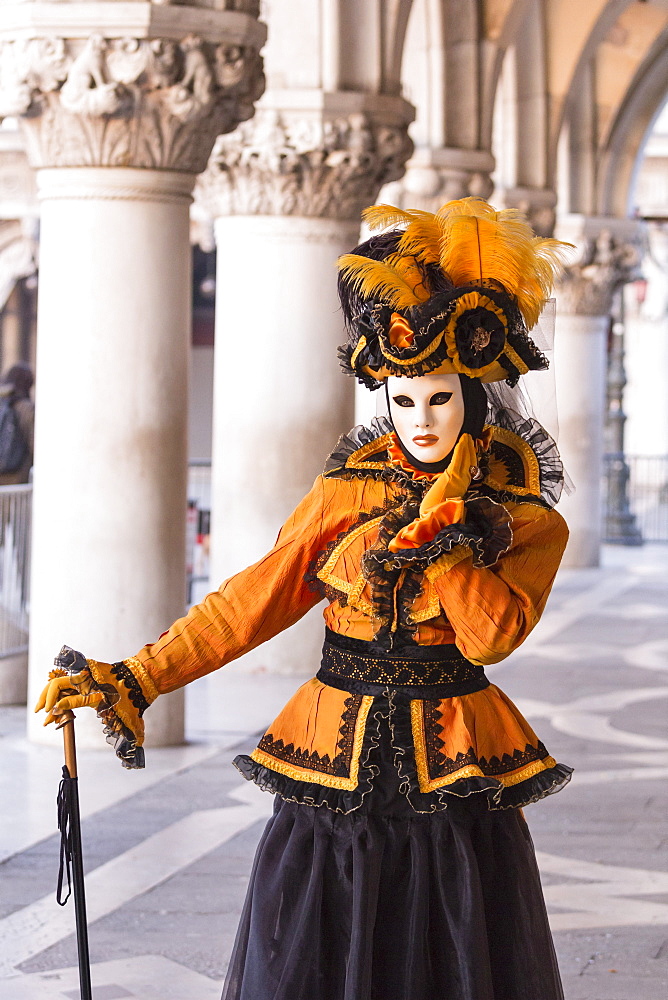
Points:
(486, 533)
(396, 577)
(355, 439)
(533, 789)
(122, 671)
(336, 466)
(544, 447)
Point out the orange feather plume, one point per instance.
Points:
(472, 243)
(482, 246)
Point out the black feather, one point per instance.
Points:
(377, 248)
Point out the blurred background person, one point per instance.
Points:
(17, 424)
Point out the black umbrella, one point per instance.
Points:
(71, 855)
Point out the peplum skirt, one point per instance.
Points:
(454, 734)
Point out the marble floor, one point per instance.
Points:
(168, 849)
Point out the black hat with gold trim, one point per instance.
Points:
(452, 292)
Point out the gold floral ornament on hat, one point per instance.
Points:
(452, 292)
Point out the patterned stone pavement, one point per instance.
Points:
(168, 850)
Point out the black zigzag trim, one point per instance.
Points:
(136, 695)
(339, 767)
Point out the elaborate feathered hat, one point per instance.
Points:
(452, 292)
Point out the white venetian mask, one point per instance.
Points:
(427, 413)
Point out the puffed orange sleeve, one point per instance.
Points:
(251, 606)
(493, 610)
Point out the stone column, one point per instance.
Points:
(584, 301)
(287, 191)
(119, 116)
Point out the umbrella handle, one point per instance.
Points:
(66, 723)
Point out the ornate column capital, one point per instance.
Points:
(538, 204)
(609, 257)
(434, 176)
(128, 84)
(308, 154)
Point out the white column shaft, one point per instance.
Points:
(280, 399)
(580, 367)
(110, 443)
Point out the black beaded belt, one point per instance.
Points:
(418, 671)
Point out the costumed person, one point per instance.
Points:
(397, 864)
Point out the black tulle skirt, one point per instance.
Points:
(387, 904)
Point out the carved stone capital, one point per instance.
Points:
(325, 162)
(132, 101)
(435, 176)
(607, 260)
(538, 204)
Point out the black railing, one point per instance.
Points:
(646, 490)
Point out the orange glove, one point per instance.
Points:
(442, 504)
(456, 479)
(65, 692)
(423, 529)
(110, 688)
